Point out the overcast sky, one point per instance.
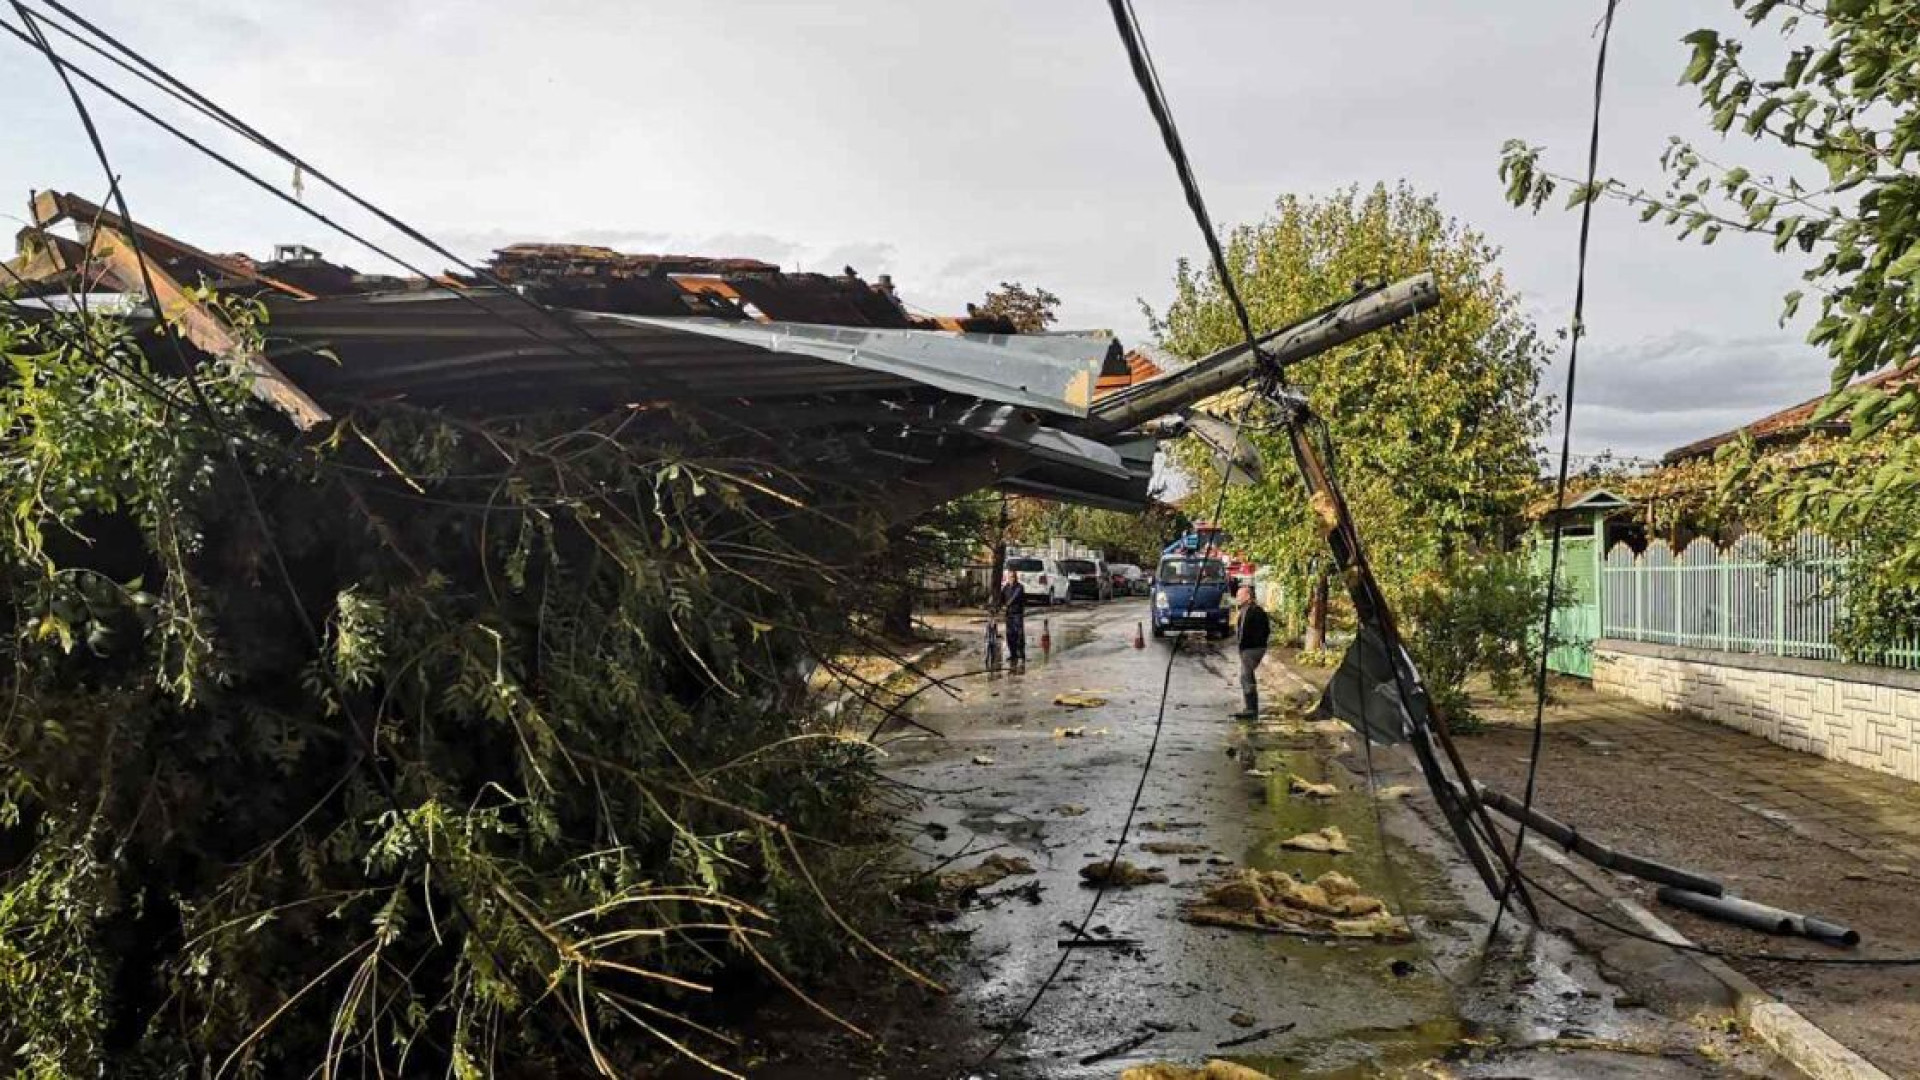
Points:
(952, 145)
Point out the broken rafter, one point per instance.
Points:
(51, 207)
(106, 246)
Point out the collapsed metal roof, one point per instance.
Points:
(920, 390)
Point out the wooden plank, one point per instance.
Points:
(204, 328)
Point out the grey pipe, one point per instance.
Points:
(1595, 852)
(1763, 917)
(1731, 909)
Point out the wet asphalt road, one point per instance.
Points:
(1002, 780)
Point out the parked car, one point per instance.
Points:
(1190, 593)
(1128, 579)
(1087, 579)
(1041, 576)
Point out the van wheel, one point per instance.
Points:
(1159, 632)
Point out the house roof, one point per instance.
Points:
(1593, 498)
(1794, 420)
(1139, 368)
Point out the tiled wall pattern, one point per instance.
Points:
(1872, 726)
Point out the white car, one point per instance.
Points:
(1041, 576)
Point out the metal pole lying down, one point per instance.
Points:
(1593, 851)
(1762, 917)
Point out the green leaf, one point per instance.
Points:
(1906, 265)
(1705, 44)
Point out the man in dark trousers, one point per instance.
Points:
(1013, 601)
(1254, 629)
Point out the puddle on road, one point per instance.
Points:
(1512, 1000)
(1352, 1015)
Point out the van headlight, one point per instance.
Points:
(1160, 600)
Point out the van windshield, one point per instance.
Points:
(1025, 566)
(1188, 571)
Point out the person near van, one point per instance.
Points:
(1254, 630)
(1013, 603)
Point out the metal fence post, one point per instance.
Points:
(1723, 593)
(1776, 584)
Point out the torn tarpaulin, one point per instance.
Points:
(1364, 692)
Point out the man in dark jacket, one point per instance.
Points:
(1254, 630)
(1013, 601)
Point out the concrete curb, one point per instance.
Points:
(1798, 1040)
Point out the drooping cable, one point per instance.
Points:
(1566, 451)
(1149, 80)
(1142, 65)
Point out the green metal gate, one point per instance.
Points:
(1576, 623)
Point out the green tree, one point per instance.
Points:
(1843, 91)
(1433, 423)
(1122, 536)
(1030, 310)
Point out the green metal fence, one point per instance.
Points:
(1743, 598)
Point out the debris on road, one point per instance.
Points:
(1118, 1048)
(1394, 791)
(1300, 785)
(1169, 826)
(1080, 699)
(1069, 809)
(1328, 841)
(1212, 1070)
(1121, 874)
(1242, 1019)
(1173, 847)
(1255, 1036)
(1274, 901)
(990, 871)
(1076, 732)
(982, 759)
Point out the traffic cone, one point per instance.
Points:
(1046, 639)
(1139, 636)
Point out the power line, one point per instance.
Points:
(1560, 482)
(615, 361)
(1149, 80)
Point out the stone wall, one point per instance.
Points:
(1864, 716)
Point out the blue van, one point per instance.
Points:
(1191, 592)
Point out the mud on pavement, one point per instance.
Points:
(1221, 798)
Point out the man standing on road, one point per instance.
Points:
(1013, 601)
(1254, 629)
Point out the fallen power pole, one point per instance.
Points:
(1419, 723)
(1288, 345)
(1177, 390)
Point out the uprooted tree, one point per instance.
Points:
(1433, 423)
(437, 746)
(1840, 87)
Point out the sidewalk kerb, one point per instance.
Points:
(1798, 1040)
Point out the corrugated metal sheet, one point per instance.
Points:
(489, 349)
(1053, 372)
